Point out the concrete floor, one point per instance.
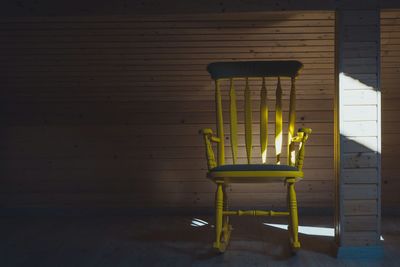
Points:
(169, 241)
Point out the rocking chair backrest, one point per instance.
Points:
(255, 70)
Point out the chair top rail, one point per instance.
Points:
(254, 69)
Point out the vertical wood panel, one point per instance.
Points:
(390, 60)
(358, 196)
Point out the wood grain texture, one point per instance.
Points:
(358, 122)
(390, 58)
(105, 111)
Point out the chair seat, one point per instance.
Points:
(254, 173)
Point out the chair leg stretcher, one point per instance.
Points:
(255, 213)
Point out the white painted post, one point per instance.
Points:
(358, 134)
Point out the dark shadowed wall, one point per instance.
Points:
(390, 57)
(105, 111)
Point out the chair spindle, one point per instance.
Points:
(220, 124)
(233, 120)
(248, 120)
(278, 122)
(291, 154)
(264, 122)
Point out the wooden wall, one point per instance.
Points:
(106, 111)
(359, 105)
(390, 58)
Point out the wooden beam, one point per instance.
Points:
(357, 131)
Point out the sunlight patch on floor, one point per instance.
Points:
(198, 222)
(310, 230)
(307, 230)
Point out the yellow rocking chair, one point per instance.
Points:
(224, 174)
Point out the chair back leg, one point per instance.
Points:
(293, 218)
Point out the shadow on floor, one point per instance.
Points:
(168, 241)
(249, 236)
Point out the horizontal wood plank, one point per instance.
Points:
(105, 111)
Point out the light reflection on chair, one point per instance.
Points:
(223, 174)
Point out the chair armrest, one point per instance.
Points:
(209, 138)
(301, 137)
(209, 133)
(305, 130)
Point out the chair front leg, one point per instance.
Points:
(219, 202)
(225, 205)
(294, 222)
(226, 227)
